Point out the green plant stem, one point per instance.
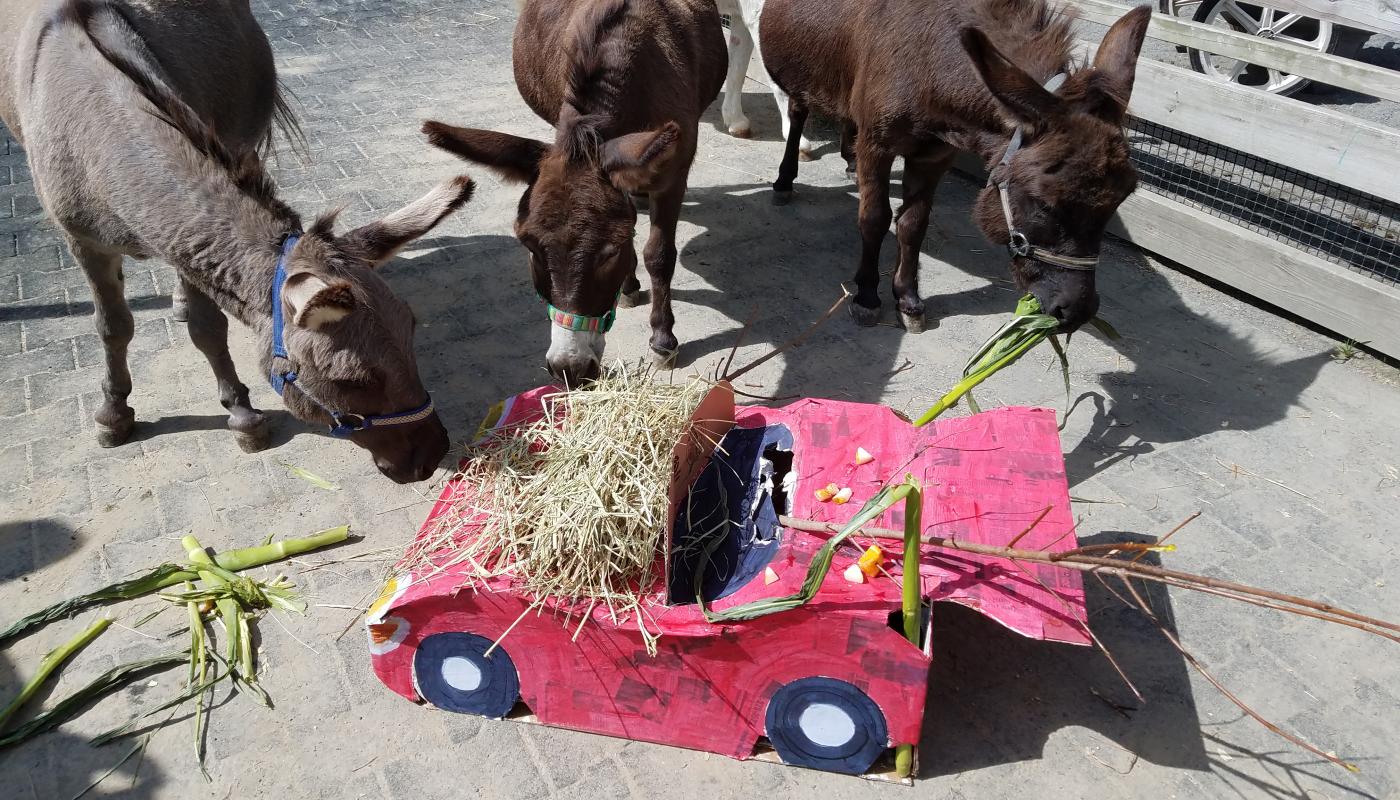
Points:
(970, 382)
(913, 600)
(167, 575)
(51, 664)
(229, 610)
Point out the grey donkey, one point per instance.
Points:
(142, 121)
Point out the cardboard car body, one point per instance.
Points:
(796, 677)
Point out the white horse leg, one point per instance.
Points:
(740, 51)
(804, 148)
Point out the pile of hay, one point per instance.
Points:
(572, 507)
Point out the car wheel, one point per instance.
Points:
(453, 672)
(1265, 22)
(826, 724)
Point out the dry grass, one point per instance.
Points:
(571, 508)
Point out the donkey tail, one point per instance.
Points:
(285, 123)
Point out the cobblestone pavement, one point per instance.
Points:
(1209, 404)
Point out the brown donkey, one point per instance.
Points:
(922, 79)
(117, 105)
(624, 83)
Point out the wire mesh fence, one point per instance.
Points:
(1315, 215)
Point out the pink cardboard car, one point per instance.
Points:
(831, 685)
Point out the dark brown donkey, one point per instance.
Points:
(624, 83)
(922, 79)
(118, 105)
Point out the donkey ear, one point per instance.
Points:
(1022, 96)
(1115, 64)
(514, 158)
(633, 162)
(379, 241)
(315, 301)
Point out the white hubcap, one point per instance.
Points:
(461, 674)
(827, 725)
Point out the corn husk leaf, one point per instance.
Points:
(311, 477)
(51, 664)
(167, 575)
(74, 704)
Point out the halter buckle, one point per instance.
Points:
(1019, 245)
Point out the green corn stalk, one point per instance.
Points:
(1023, 332)
(167, 575)
(51, 664)
(912, 600)
(821, 562)
(227, 605)
(73, 705)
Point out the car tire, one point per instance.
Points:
(453, 672)
(826, 724)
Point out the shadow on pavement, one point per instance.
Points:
(57, 764)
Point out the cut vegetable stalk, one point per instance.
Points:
(167, 575)
(51, 664)
(227, 606)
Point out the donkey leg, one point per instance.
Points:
(804, 147)
(208, 328)
(848, 147)
(631, 296)
(787, 171)
(920, 180)
(179, 310)
(740, 51)
(660, 258)
(114, 418)
(873, 178)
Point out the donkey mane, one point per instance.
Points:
(144, 72)
(1038, 33)
(590, 93)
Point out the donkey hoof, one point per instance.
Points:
(254, 442)
(913, 323)
(741, 131)
(114, 436)
(251, 431)
(850, 170)
(864, 316)
(664, 359)
(782, 197)
(804, 154)
(179, 311)
(630, 299)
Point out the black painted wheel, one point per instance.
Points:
(453, 672)
(826, 724)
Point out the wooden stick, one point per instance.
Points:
(1199, 667)
(1085, 563)
(794, 342)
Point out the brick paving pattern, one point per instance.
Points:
(1210, 404)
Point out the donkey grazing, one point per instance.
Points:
(118, 105)
(624, 83)
(922, 79)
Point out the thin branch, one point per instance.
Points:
(1170, 533)
(1199, 667)
(1114, 566)
(739, 339)
(794, 342)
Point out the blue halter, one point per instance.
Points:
(345, 423)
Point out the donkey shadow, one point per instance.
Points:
(57, 763)
(1177, 374)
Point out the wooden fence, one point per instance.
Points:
(1335, 147)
